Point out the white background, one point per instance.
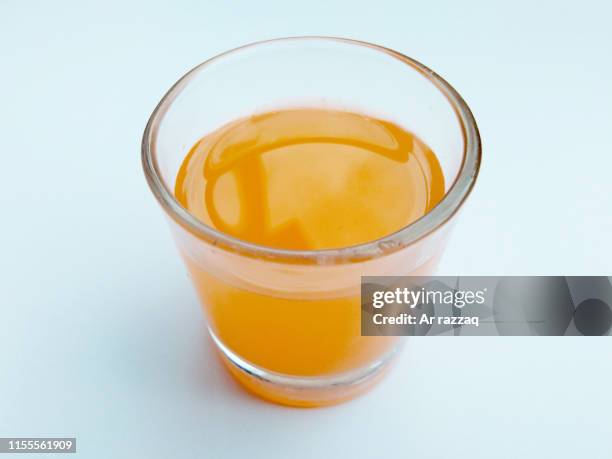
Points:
(101, 336)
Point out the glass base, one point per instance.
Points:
(306, 391)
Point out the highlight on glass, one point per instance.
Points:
(290, 168)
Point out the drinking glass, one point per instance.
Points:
(286, 323)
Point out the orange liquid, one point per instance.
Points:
(303, 179)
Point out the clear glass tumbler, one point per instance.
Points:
(286, 323)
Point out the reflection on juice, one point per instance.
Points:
(303, 179)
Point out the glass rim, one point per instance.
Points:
(398, 240)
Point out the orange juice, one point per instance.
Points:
(303, 179)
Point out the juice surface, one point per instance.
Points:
(303, 179)
(309, 179)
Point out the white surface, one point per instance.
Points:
(101, 336)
